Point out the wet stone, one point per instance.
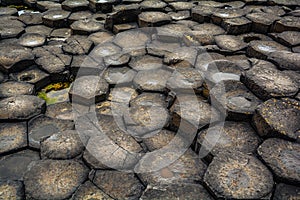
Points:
(236, 175)
(104, 6)
(230, 43)
(34, 76)
(14, 58)
(56, 18)
(13, 136)
(222, 14)
(89, 191)
(284, 191)
(41, 127)
(278, 118)
(150, 19)
(235, 99)
(61, 110)
(12, 88)
(22, 107)
(88, 90)
(47, 5)
(180, 15)
(77, 45)
(188, 168)
(187, 80)
(262, 22)
(31, 18)
(8, 11)
(12, 190)
(181, 191)
(73, 6)
(237, 26)
(32, 40)
(100, 37)
(285, 60)
(208, 29)
(86, 27)
(64, 145)
(10, 27)
(151, 80)
(230, 136)
(39, 29)
(265, 81)
(127, 187)
(14, 166)
(49, 179)
(288, 23)
(153, 5)
(141, 120)
(282, 157)
(104, 50)
(146, 62)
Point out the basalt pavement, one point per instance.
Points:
(194, 99)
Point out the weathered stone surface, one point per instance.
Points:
(14, 58)
(287, 23)
(149, 19)
(104, 50)
(149, 99)
(103, 6)
(63, 145)
(32, 75)
(60, 34)
(54, 64)
(56, 18)
(32, 40)
(41, 127)
(89, 191)
(282, 157)
(80, 15)
(289, 38)
(49, 179)
(48, 5)
(86, 27)
(31, 18)
(153, 5)
(116, 60)
(12, 88)
(21, 107)
(77, 45)
(285, 60)
(60, 111)
(208, 29)
(119, 76)
(157, 140)
(231, 136)
(146, 62)
(236, 175)
(237, 26)
(10, 28)
(179, 6)
(230, 43)
(180, 15)
(100, 37)
(180, 191)
(14, 166)
(265, 81)
(76, 5)
(262, 22)
(12, 190)
(187, 168)
(235, 99)
(222, 14)
(88, 90)
(284, 191)
(125, 185)
(132, 40)
(13, 136)
(124, 27)
(278, 118)
(40, 29)
(122, 94)
(8, 11)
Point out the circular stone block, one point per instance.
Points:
(12, 88)
(236, 175)
(282, 157)
(13, 136)
(21, 107)
(230, 136)
(279, 118)
(32, 40)
(53, 179)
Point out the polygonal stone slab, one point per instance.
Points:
(231, 136)
(13, 136)
(117, 60)
(151, 80)
(188, 168)
(155, 141)
(208, 29)
(89, 190)
(10, 30)
(287, 23)
(56, 18)
(100, 37)
(61, 110)
(48, 5)
(154, 5)
(222, 14)
(279, 118)
(149, 99)
(8, 11)
(132, 40)
(282, 157)
(77, 45)
(235, 99)
(104, 50)
(203, 13)
(64, 145)
(179, 6)
(86, 27)
(12, 190)
(54, 64)
(14, 166)
(289, 38)
(42, 127)
(32, 40)
(21, 107)
(53, 179)
(261, 49)
(14, 58)
(230, 43)
(236, 175)
(31, 18)
(103, 6)
(88, 90)
(146, 62)
(284, 191)
(150, 19)
(40, 29)
(261, 22)
(180, 15)
(262, 78)
(181, 191)
(126, 185)
(119, 75)
(81, 15)
(122, 95)
(77, 5)
(285, 60)
(237, 26)
(12, 88)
